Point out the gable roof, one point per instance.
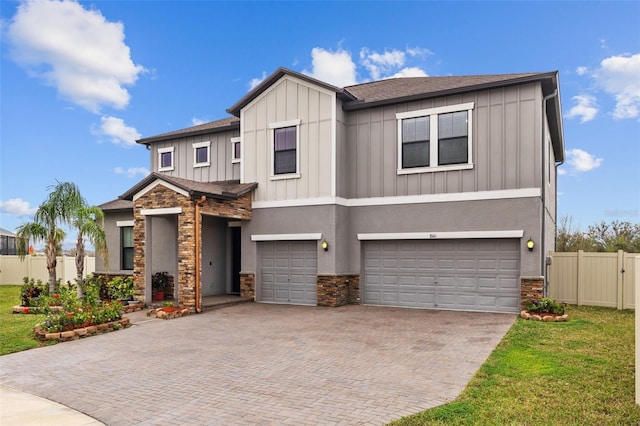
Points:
(6, 233)
(277, 75)
(222, 190)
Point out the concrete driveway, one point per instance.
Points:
(265, 364)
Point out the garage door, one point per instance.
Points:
(478, 275)
(289, 272)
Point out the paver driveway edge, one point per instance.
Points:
(265, 364)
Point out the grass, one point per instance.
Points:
(575, 373)
(16, 330)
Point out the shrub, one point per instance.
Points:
(31, 291)
(121, 288)
(546, 305)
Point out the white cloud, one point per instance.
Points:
(335, 68)
(581, 161)
(256, 81)
(410, 72)
(620, 76)
(585, 108)
(131, 172)
(379, 64)
(75, 50)
(195, 121)
(418, 51)
(16, 207)
(120, 133)
(582, 70)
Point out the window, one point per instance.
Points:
(235, 150)
(126, 238)
(285, 149)
(165, 159)
(435, 139)
(201, 154)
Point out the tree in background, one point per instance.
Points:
(603, 237)
(56, 211)
(614, 236)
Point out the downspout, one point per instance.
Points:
(198, 232)
(543, 262)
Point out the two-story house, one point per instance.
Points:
(427, 192)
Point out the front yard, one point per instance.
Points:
(576, 373)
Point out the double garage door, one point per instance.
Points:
(475, 275)
(288, 272)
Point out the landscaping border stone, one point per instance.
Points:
(543, 317)
(91, 330)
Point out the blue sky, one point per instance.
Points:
(81, 81)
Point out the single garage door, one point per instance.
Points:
(289, 272)
(475, 275)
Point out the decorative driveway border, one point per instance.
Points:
(265, 364)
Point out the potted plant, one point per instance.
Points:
(121, 288)
(159, 283)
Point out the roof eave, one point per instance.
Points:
(160, 138)
(360, 104)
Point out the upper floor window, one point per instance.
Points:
(201, 154)
(235, 150)
(435, 139)
(286, 146)
(165, 159)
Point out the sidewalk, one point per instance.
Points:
(21, 408)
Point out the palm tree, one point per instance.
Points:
(56, 211)
(89, 222)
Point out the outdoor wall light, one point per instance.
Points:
(325, 245)
(530, 244)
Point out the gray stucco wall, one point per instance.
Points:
(340, 225)
(113, 241)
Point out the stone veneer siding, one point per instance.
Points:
(337, 290)
(248, 285)
(530, 289)
(163, 197)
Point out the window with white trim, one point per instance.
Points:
(201, 154)
(235, 150)
(285, 149)
(435, 139)
(165, 159)
(126, 244)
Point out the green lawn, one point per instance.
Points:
(575, 373)
(16, 330)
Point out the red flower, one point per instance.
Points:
(56, 296)
(25, 310)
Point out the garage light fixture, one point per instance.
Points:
(530, 244)
(325, 245)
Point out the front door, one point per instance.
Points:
(236, 250)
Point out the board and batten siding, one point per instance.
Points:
(506, 146)
(289, 99)
(220, 167)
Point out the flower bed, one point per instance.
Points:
(72, 333)
(547, 317)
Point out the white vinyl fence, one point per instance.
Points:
(12, 269)
(597, 279)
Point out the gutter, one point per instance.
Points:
(544, 192)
